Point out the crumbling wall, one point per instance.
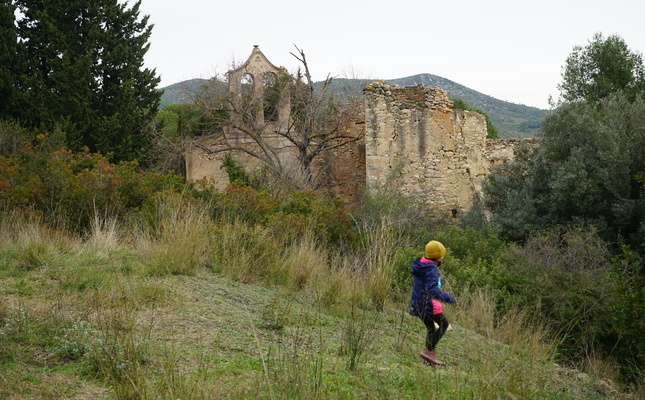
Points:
(415, 141)
(343, 167)
(499, 151)
(207, 164)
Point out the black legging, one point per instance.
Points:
(434, 334)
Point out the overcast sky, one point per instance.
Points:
(512, 50)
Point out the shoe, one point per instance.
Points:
(430, 357)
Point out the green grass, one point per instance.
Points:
(98, 319)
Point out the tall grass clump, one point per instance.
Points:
(104, 234)
(521, 364)
(112, 348)
(121, 353)
(336, 287)
(359, 335)
(303, 261)
(296, 364)
(33, 244)
(245, 253)
(174, 382)
(180, 241)
(378, 258)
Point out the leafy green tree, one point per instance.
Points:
(181, 120)
(602, 67)
(461, 104)
(85, 73)
(585, 171)
(173, 126)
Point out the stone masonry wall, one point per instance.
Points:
(208, 166)
(425, 148)
(340, 172)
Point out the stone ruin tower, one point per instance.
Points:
(416, 142)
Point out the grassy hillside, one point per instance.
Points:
(512, 120)
(121, 314)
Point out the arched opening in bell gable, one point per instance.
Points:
(247, 107)
(271, 96)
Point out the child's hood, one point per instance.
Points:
(420, 265)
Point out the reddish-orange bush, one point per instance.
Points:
(72, 187)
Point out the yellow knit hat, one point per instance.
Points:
(435, 250)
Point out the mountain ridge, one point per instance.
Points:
(512, 120)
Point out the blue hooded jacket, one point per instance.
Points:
(426, 286)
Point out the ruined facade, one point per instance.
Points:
(410, 137)
(268, 107)
(256, 104)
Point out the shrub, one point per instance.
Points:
(72, 187)
(236, 173)
(326, 217)
(627, 305)
(386, 206)
(12, 134)
(564, 274)
(402, 280)
(473, 259)
(242, 202)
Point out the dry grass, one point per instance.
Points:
(331, 330)
(243, 253)
(380, 247)
(304, 262)
(181, 243)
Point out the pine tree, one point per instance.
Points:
(86, 75)
(604, 66)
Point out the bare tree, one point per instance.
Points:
(316, 123)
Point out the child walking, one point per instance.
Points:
(427, 297)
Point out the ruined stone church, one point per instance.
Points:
(407, 137)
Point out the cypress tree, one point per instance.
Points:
(85, 73)
(8, 62)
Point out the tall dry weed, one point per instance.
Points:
(359, 335)
(104, 234)
(515, 355)
(245, 253)
(182, 242)
(304, 261)
(36, 245)
(335, 286)
(475, 310)
(380, 246)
